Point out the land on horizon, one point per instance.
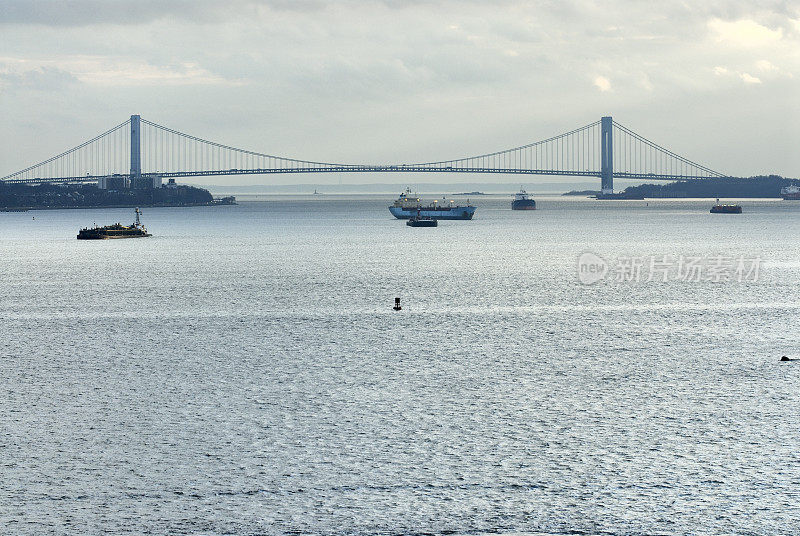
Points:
(456, 188)
(49, 196)
(758, 186)
(22, 196)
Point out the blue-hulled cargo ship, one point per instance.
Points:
(408, 206)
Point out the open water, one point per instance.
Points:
(242, 371)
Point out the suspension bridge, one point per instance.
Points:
(140, 149)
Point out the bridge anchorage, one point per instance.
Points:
(140, 154)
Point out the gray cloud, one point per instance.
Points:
(399, 81)
(125, 12)
(39, 79)
(85, 12)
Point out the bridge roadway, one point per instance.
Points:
(364, 169)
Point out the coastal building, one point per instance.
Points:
(114, 182)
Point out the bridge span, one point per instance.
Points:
(139, 149)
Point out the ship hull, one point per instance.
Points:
(449, 213)
(791, 197)
(91, 234)
(106, 237)
(527, 204)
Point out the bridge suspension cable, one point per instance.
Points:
(105, 154)
(571, 153)
(172, 153)
(636, 157)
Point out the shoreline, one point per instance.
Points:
(84, 207)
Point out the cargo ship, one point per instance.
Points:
(791, 192)
(408, 205)
(522, 201)
(117, 230)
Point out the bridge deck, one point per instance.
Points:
(361, 169)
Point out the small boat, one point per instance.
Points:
(522, 201)
(726, 209)
(422, 221)
(117, 230)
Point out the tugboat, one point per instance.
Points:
(791, 192)
(422, 221)
(117, 230)
(522, 201)
(408, 204)
(726, 209)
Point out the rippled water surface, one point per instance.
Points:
(242, 372)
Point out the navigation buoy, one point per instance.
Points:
(397, 304)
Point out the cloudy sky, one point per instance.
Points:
(405, 80)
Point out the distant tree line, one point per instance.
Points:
(758, 186)
(88, 195)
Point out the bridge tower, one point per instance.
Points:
(606, 155)
(136, 147)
